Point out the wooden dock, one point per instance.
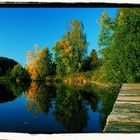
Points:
(125, 116)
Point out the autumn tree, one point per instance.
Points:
(119, 41)
(71, 49)
(39, 63)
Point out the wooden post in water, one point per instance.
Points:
(125, 116)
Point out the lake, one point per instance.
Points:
(42, 107)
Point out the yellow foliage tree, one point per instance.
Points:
(39, 63)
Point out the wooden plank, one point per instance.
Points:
(133, 94)
(130, 92)
(124, 117)
(122, 127)
(127, 108)
(126, 102)
(129, 98)
(130, 86)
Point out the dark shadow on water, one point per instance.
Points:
(5, 94)
(9, 91)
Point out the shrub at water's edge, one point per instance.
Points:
(11, 70)
(18, 74)
(6, 64)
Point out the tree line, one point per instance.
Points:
(118, 43)
(69, 55)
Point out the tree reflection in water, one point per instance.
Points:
(69, 105)
(39, 97)
(70, 109)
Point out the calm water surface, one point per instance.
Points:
(54, 108)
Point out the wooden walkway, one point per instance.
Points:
(125, 116)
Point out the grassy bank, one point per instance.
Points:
(77, 78)
(99, 78)
(96, 77)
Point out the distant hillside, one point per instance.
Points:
(6, 64)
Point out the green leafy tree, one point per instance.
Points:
(18, 73)
(70, 50)
(119, 39)
(6, 64)
(94, 59)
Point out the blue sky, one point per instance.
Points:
(22, 28)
